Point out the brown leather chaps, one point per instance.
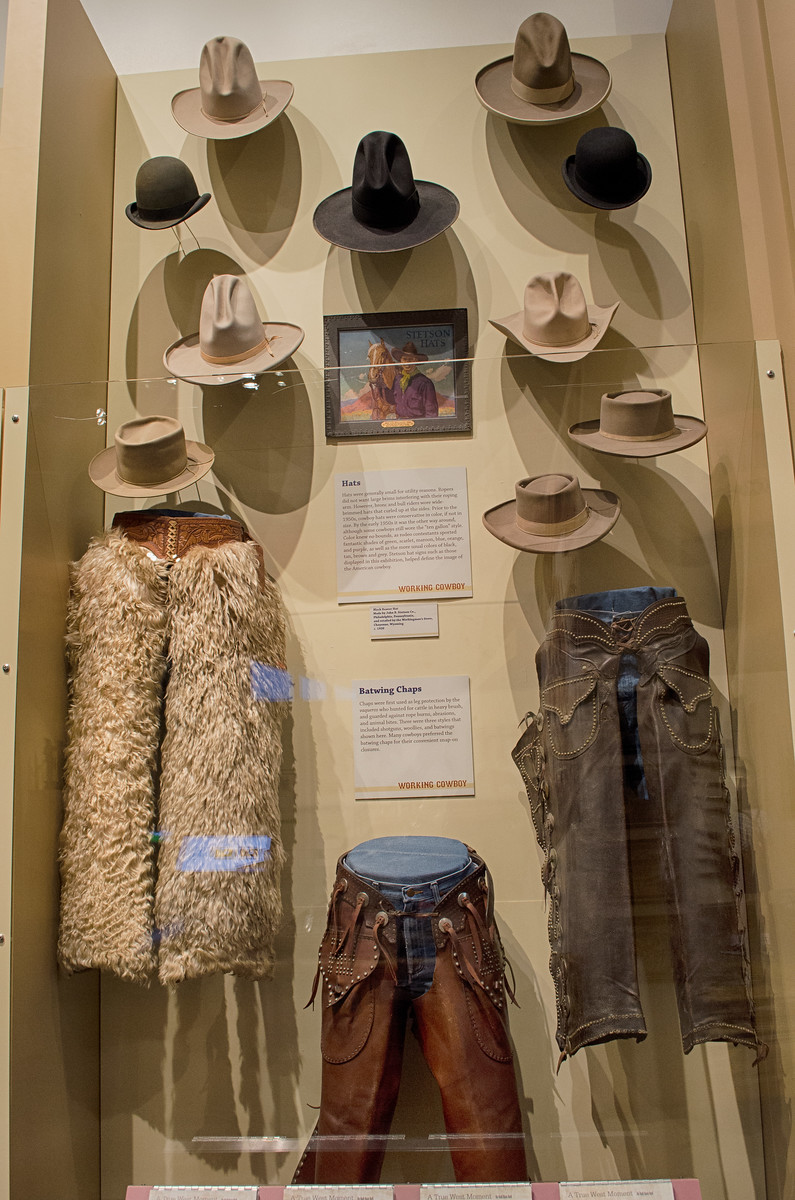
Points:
(461, 1024)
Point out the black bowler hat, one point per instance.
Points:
(385, 208)
(606, 170)
(165, 194)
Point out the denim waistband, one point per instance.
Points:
(416, 951)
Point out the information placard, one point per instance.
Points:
(205, 1192)
(624, 1189)
(402, 535)
(476, 1191)
(338, 1191)
(404, 621)
(412, 737)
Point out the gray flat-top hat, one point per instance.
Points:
(639, 424)
(150, 457)
(552, 513)
(556, 323)
(165, 194)
(543, 81)
(230, 101)
(385, 208)
(232, 341)
(606, 169)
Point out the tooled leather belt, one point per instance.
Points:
(169, 538)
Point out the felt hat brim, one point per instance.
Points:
(689, 430)
(604, 508)
(598, 317)
(334, 221)
(189, 114)
(643, 185)
(132, 212)
(102, 471)
(184, 359)
(592, 85)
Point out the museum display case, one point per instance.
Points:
(300, 621)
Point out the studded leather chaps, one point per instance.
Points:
(573, 759)
(461, 1024)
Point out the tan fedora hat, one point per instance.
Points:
(150, 457)
(230, 101)
(556, 323)
(232, 341)
(552, 513)
(638, 424)
(542, 82)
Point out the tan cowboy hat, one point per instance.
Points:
(230, 101)
(638, 424)
(552, 513)
(150, 457)
(556, 323)
(232, 342)
(543, 82)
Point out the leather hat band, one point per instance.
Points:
(542, 95)
(639, 437)
(166, 214)
(238, 116)
(236, 358)
(553, 529)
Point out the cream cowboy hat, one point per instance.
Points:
(232, 342)
(543, 82)
(638, 424)
(150, 457)
(556, 323)
(230, 101)
(552, 513)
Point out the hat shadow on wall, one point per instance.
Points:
(526, 163)
(438, 271)
(256, 182)
(168, 307)
(263, 438)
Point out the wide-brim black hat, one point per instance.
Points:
(166, 222)
(334, 221)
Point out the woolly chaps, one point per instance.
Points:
(170, 653)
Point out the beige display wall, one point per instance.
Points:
(220, 1057)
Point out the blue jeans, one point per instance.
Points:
(414, 874)
(607, 606)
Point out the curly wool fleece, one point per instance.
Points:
(152, 648)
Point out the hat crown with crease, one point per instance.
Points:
(228, 79)
(150, 451)
(230, 325)
(549, 500)
(164, 188)
(555, 312)
(645, 415)
(383, 192)
(542, 68)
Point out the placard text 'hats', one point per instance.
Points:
(230, 101)
(552, 513)
(638, 424)
(606, 170)
(556, 323)
(543, 82)
(232, 341)
(386, 208)
(151, 457)
(165, 194)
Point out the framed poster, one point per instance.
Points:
(396, 374)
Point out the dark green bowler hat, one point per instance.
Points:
(165, 194)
